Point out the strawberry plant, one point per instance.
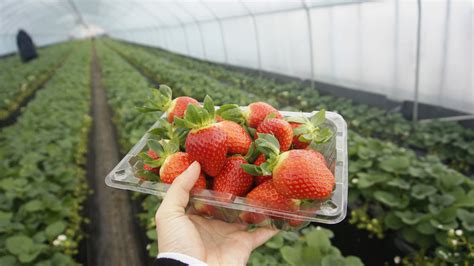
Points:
(18, 80)
(43, 185)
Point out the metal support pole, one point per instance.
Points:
(219, 21)
(310, 33)
(417, 66)
(257, 39)
(445, 49)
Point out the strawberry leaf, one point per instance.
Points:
(156, 147)
(296, 119)
(252, 169)
(232, 112)
(319, 118)
(209, 106)
(267, 144)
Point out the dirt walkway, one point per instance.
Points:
(113, 240)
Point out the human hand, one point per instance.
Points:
(211, 241)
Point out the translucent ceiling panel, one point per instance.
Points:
(265, 6)
(224, 9)
(241, 42)
(284, 43)
(196, 48)
(455, 88)
(178, 40)
(213, 42)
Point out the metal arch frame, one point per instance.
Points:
(203, 46)
(417, 64)
(310, 31)
(257, 39)
(219, 21)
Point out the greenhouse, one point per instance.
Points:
(234, 132)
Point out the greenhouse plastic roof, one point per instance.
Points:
(371, 46)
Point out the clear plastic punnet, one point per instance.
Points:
(230, 208)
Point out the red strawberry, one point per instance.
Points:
(178, 107)
(280, 129)
(255, 114)
(260, 179)
(153, 156)
(267, 196)
(259, 111)
(301, 174)
(319, 155)
(297, 144)
(238, 140)
(176, 164)
(207, 141)
(232, 178)
(297, 174)
(166, 157)
(162, 101)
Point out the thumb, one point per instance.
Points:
(177, 196)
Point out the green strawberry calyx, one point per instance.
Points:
(196, 117)
(161, 100)
(163, 148)
(312, 130)
(233, 112)
(166, 130)
(269, 146)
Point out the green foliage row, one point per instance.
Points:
(18, 80)
(119, 78)
(42, 180)
(453, 143)
(365, 199)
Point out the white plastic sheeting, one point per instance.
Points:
(366, 45)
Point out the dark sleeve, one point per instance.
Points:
(168, 262)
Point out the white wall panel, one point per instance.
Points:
(213, 41)
(195, 43)
(284, 43)
(240, 41)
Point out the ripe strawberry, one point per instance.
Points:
(232, 178)
(153, 156)
(260, 179)
(238, 140)
(174, 165)
(280, 129)
(207, 141)
(171, 162)
(259, 111)
(255, 114)
(307, 131)
(267, 196)
(297, 174)
(162, 101)
(319, 155)
(297, 144)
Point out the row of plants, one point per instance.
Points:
(370, 206)
(42, 181)
(18, 81)
(453, 143)
(120, 79)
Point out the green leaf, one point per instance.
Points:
(388, 199)
(156, 147)
(409, 217)
(392, 221)
(151, 234)
(421, 191)
(252, 169)
(395, 164)
(319, 118)
(34, 205)
(19, 244)
(8, 260)
(466, 201)
(426, 228)
(209, 106)
(54, 229)
(399, 183)
(369, 179)
(452, 180)
(275, 242)
(318, 239)
(353, 261)
(467, 219)
(292, 255)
